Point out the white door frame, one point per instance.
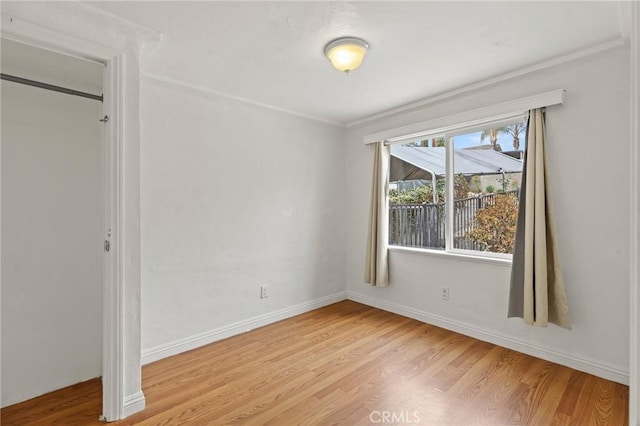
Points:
(113, 299)
(113, 303)
(634, 326)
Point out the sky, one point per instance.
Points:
(473, 139)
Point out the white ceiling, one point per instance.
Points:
(272, 52)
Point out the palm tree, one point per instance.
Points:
(515, 130)
(492, 134)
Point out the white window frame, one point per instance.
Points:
(499, 115)
(449, 138)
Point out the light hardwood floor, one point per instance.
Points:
(348, 364)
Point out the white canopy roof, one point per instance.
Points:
(413, 162)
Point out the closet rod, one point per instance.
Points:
(49, 87)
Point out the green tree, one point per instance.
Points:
(419, 195)
(424, 194)
(514, 130)
(460, 187)
(495, 225)
(492, 135)
(435, 142)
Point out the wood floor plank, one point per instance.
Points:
(497, 361)
(619, 411)
(67, 400)
(547, 394)
(347, 364)
(490, 406)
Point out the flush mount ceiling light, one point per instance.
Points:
(346, 53)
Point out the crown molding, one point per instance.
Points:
(205, 91)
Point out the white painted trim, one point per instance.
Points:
(14, 28)
(608, 45)
(449, 195)
(569, 360)
(452, 255)
(624, 19)
(133, 404)
(205, 91)
(113, 300)
(443, 125)
(192, 342)
(634, 225)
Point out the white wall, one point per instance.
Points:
(51, 240)
(233, 196)
(588, 148)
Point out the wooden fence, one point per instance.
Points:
(423, 225)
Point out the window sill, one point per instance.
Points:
(452, 256)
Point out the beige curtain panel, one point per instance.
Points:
(537, 292)
(376, 270)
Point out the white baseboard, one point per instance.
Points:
(173, 348)
(571, 361)
(133, 404)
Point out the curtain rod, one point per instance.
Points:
(553, 97)
(46, 86)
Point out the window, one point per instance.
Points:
(457, 190)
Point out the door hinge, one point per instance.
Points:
(107, 245)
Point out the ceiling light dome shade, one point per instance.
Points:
(346, 54)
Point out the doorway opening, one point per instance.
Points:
(52, 221)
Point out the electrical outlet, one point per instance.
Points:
(444, 294)
(264, 292)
